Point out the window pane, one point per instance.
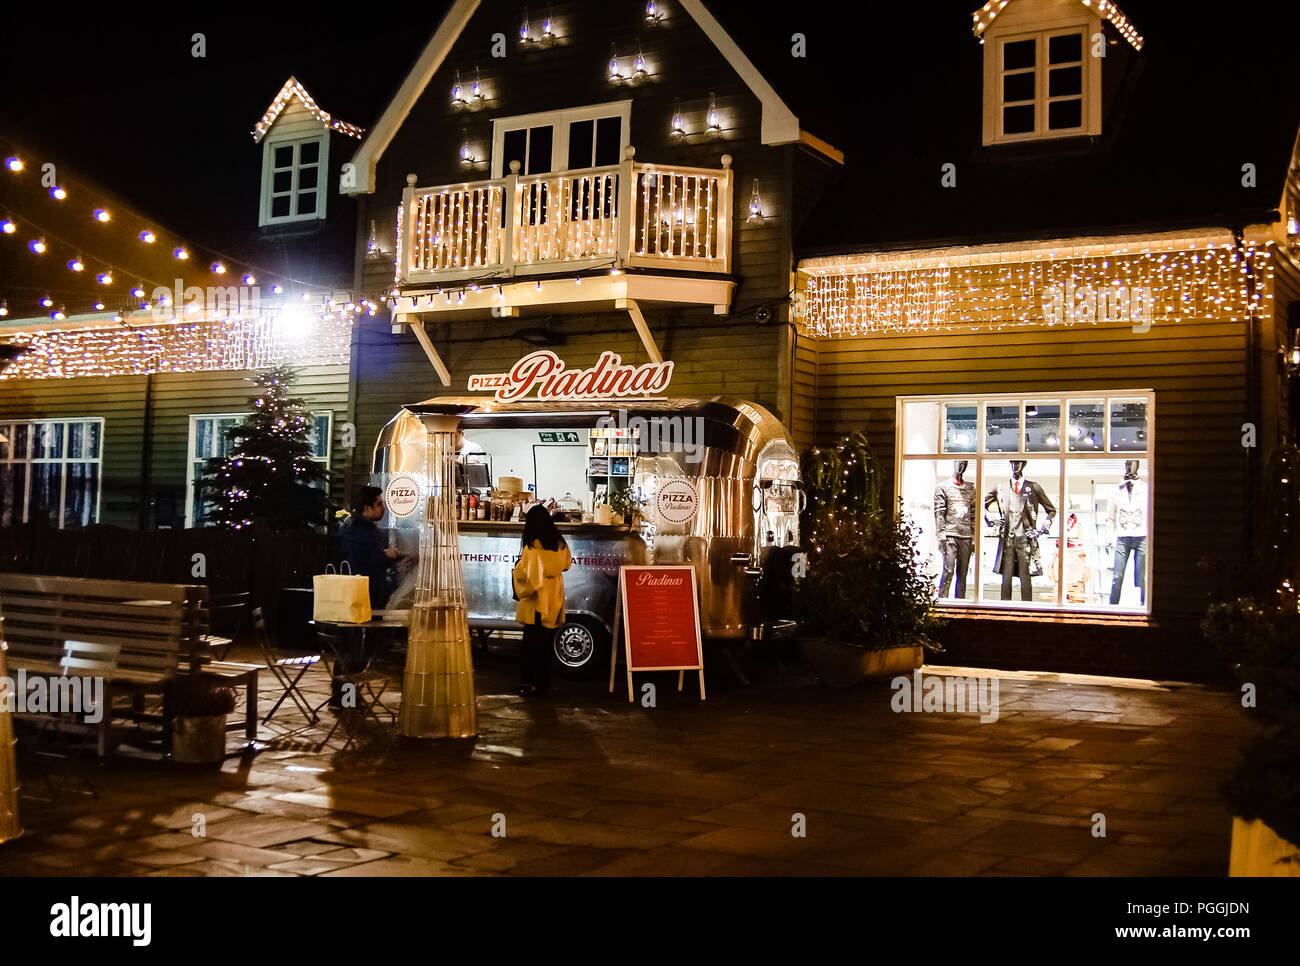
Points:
(319, 435)
(306, 202)
(284, 156)
(81, 495)
(204, 436)
(6, 431)
(18, 445)
(1018, 54)
(1087, 426)
(1018, 87)
(943, 515)
(83, 441)
(1064, 81)
(280, 207)
(921, 427)
(609, 140)
(1062, 115)
(45, 492)
(540, 140)
(1018, 120)
(1002, 428)
(48, 441)
(514, 147)
(282, 181)
(307, 178)
(13, 480)
(1011, 535)
(1065, 49)
(1106, 529)
(1042, 427)
(1128, 425)
(959, 427)
(309, 153)
(582, 135)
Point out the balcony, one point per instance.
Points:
(626, 216)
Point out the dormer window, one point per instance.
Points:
(292, 184)
(1041, 90)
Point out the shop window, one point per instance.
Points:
(1022, 503)
(51, 471)
(210, 439)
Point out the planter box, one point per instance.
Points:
(1257, 851)
(841, 665)
(199, 740)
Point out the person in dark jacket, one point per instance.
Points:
(366, 551)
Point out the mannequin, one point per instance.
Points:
(1128, 521)
(1018, 501)
(954, 526)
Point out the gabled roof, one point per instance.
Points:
(291, 89)
(779, 123)
(986, 14)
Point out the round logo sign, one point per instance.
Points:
(402, 495)
(676, 500)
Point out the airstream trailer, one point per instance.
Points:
(718, 480)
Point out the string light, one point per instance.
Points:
(101, 215)
(104, 278)
(99, 306)
(47, 302)
(4, 309)
(180, 254)
(138, 291)
(76, 265)
(288, 92)
(58, 193)
(249, 279)
(37, 245)
(8, 227)
(148, 237)
(949, 290)
(218, 268)
(14, 164)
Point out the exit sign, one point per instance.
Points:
(559, 437)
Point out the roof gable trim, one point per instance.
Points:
(291, 89)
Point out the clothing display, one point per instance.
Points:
(1136, 547)
(954, 527)
(1128, 520)
(1019, 500)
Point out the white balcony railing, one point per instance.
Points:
(636, 215)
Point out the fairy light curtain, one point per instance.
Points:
(893, 295)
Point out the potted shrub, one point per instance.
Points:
(865, 609)
(197, 707)
(624, 505)
(1258, 633)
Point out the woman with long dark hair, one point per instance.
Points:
(539, 587)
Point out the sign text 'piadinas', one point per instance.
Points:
(544, 371)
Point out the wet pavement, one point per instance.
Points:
(582, 782)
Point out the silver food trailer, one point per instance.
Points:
(718, 478)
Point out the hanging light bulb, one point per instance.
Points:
(476, 90)
(547, 35)
(58, 315)
(524, 33)
(677, 130)
(14, 164)
(250, 279)
(37, 245)
(102, 215)
(138, 291)
(711, 119)
(180, 254)
(4, 309)
(105, 277)
(218, 268)
(148, 237)
(7, 226)
(755, 207)
(652, 13)
(47, 301)
(614, 75)
(640, 64)
(277, 289)
(466, 157)
(99, 306)
(457, 98)
(58, 193)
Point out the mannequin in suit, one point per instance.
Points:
(954, 527)
(1018, 501)
(1128, 521)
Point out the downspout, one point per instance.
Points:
(146, 451)
(1253, 404)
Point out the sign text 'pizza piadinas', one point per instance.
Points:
(545, 372)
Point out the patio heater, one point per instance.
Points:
(438, 699)
(9, 827)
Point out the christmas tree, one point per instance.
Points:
(269, 476)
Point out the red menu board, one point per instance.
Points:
(660, 622)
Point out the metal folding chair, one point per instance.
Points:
(368, 686)
(287, 670)
(84, 659)
(225, 619)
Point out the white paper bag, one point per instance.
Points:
(341, 598)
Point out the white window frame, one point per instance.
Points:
(1040, 33)
(979, 455)
(268, 179)
(559, 122)
(30, 461)
(192, 461)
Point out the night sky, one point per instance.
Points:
(121, 102)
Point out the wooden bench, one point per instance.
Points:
(150, 625)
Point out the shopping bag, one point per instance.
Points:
(341, 598)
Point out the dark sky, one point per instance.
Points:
(118, 97)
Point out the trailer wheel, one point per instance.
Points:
(580, 647)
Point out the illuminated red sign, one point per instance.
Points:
(546, 373)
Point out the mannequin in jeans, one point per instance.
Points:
(1128, 521)
(954, 527)
(1018, 501)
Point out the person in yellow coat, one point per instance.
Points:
(539, 587)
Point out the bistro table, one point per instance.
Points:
(380, 620)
